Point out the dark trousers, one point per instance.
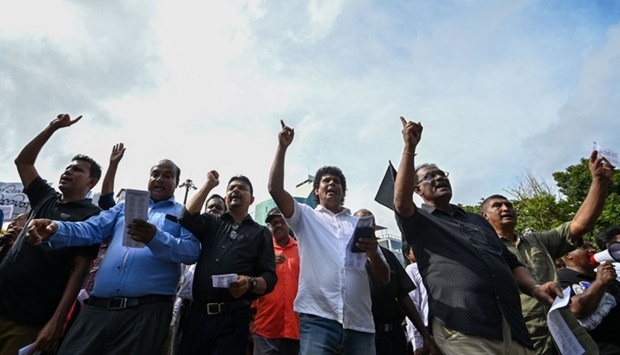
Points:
(226, 333)
(393, 342)
(135, 330)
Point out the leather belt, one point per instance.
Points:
(126, 302)
(387, 327)
(216, 307)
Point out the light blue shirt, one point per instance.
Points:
(134, 272)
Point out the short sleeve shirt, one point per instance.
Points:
(33, 278)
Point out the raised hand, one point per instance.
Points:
(39, 230)
(600, 167)
(412, 132)
(63, 120)
(213, 178)
(117, 153)
(286, 135)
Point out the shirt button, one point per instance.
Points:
(217, 260)
(223, 246)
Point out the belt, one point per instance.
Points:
(126, 302)
(387, 327)
(216, 307)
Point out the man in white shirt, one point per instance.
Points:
(419, 298)
(333, 300)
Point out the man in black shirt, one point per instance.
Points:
(39, 284)
(217, 319)
(591, 287)
(469, 273)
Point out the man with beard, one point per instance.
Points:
(217, 318)
(39, 284)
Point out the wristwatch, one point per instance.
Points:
(252, 283)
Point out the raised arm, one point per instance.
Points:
(281, 197)
(27, 157)
(195, 203)
(404, 185)
(591, 208)
(107, 189)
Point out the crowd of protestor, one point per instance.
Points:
(206, 278)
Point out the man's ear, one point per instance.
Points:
(92, 182)
(251, 200)
(484, 214)
(417, 190)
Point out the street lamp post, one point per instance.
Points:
(187, 184)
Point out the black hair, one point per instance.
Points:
(486, 201)
(245, 180)
(177, 170)
(422, 166)
(329, 170)
(95, 169)
(607, 236)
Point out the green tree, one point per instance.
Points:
(574, 183)
(537, 206)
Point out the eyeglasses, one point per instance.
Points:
(431, 175)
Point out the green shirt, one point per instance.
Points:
(538, 251)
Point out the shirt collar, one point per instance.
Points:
(162, 202)
(456, 209)
(291, 242)
(228, 216)
(322, 209)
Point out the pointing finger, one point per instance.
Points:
(403, 121)
(282, 123)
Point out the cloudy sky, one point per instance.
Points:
(499, 86)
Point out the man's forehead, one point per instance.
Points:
(428, 169)
(163, 166)
(329, 176)
(238, 182)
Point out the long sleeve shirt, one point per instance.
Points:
(135, 272)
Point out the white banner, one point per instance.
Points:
(19, 202)
(11, 187)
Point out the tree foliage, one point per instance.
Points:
(574, 183)
(540, 208)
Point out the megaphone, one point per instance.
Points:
(611, 254)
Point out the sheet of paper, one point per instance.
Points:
(136, 207)
(612, 156)
(222, 281)
(560, 331)
(26, 349)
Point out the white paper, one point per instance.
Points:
(357, 260)
(136, 207)
(560, 331)
(612, 156)
(26, 349)
(222, 281)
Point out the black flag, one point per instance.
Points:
(385, 194)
